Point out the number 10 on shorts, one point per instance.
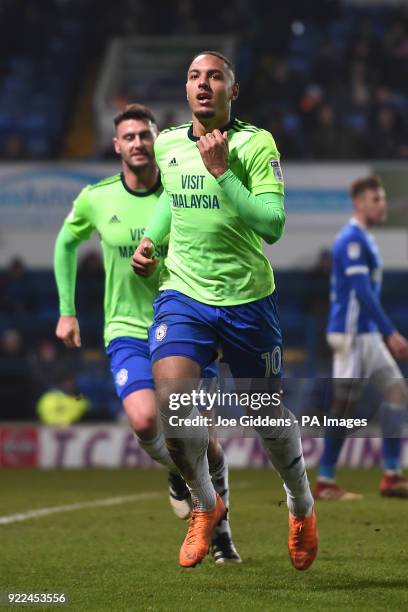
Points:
(273, 362)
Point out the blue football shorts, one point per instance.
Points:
(131, 368)
(249, 335)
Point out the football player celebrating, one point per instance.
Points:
(223, 193)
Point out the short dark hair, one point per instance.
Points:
(222, 57)
(134, 111)
(362, 184)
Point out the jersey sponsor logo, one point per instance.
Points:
(121, 377)
(182, 200)
(161, 332)
(137, 233)
(127, 252)
(114, 219)
(192, 181)
(277, 170)
(173, 162)
(354, 250)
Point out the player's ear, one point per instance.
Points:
(154, 130)
(116, 145)
(235, 92)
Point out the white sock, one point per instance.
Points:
(202, 492)
(219, 477)
(156, 448)
(189, 453)
(326, 480)
(286, 455)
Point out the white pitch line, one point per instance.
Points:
(108, 501)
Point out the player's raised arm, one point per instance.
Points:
(143, 261)
(76, 228)
(261, 207)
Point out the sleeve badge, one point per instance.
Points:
(277, 170)
(354, 250)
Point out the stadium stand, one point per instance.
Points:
(42, 50)
(329, 80)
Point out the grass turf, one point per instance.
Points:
(124, 557)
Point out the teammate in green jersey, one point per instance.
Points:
(118, 208)
(223, 193)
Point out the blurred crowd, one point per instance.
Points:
(39, 378)
(327, 78)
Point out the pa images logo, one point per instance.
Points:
(161, 332)
(122, 377)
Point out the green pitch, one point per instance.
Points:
(124, 556)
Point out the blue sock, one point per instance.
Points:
(392, 423)
(331, 452)
(392, 453)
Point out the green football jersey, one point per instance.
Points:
(214, 256)
(120, 215)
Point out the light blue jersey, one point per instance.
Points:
(356, 284)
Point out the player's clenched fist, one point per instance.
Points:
(213, 148)
(68, 331)
(143, 261)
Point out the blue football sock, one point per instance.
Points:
(391, 454)
(331, 452)
(392, 423)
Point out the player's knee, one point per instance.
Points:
(169, 394)
(143, 424)
(397, 393)
(341, 407)
(141, 414)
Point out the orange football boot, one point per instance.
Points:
(198, 539)
(303, 539)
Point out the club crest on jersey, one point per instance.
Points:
(161, 332)
(121, 377)
(354, 250)
(277, 170)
